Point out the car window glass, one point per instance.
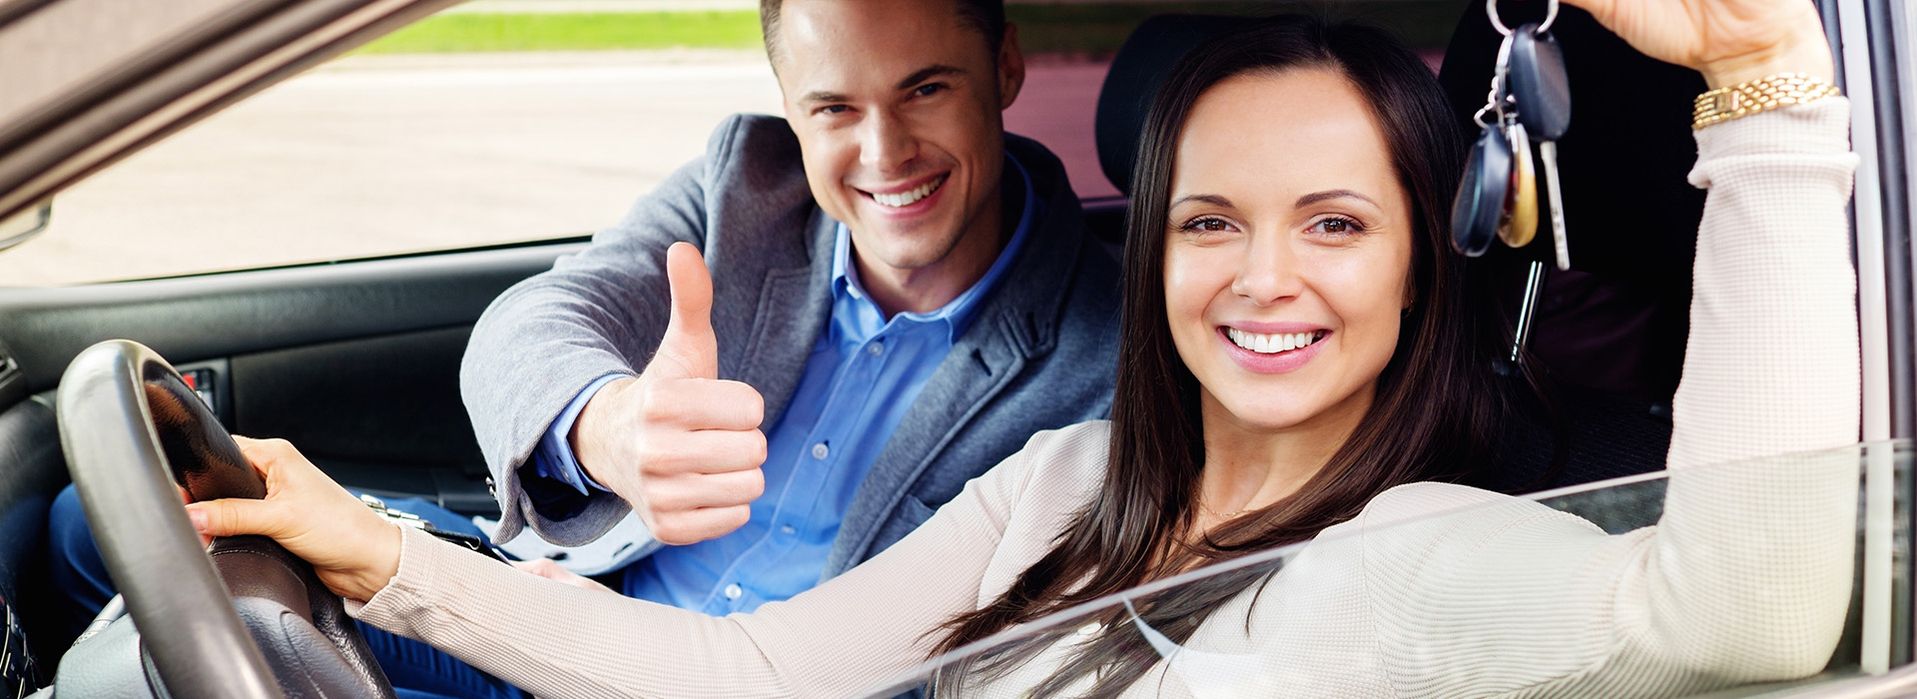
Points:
(1461, 546)
(437, 137)
(505, 121)
(54, 46)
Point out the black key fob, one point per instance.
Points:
(1482, 194)
(1538, 83)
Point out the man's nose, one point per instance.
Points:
(886, 144)
(1270, 270)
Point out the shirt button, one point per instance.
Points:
(875, 349)
(820, 450)
(733, 591)
(787, 530)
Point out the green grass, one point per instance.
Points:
(1094, 30)
(483, 33)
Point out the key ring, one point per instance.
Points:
(1494, 101)
(1550, 15)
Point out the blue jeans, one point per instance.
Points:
(417, 670)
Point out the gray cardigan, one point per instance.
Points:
(1041, 354)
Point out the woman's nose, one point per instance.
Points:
(1268, 272)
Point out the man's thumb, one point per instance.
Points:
(689, 341)
(232, 517)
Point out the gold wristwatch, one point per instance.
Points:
(1760, 95)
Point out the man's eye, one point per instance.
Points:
(834, 109)
(928, 89)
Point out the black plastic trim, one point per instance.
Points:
(223, 315)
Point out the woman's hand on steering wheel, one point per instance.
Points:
(354, 551)
(1729, 41)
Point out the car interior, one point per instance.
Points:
(357, 362)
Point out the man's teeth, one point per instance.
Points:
(903, 199)
(1271, 344)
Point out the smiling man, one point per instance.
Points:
(899, 295)
(866, 304)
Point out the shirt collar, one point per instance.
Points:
(958, 313)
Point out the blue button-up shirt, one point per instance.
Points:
(862, 377)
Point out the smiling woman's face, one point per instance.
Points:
(1287, 251)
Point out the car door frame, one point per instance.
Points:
(1868, 36)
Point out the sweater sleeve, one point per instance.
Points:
(851, 633)
(1746, 577)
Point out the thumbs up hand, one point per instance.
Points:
(678, 444)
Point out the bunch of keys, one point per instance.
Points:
(1530, 99)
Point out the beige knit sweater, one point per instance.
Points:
(1746, 577)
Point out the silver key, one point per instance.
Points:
(1542, 96)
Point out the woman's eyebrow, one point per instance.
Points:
(1213, 199)
(1315, 197)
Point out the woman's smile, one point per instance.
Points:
(1272, 352)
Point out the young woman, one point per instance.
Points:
(1302, 358)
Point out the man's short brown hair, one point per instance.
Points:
(986, 16)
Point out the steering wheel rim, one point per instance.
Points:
(131, 429)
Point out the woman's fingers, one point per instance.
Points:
(1729, 41)
(353, 549)
(267, 455)
(553, 571)
(236, 517)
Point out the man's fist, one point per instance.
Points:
(678, 444)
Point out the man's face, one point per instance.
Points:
(897, 108)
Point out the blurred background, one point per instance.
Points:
(508, 121)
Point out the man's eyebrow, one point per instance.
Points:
(1315, 197)
(927, 73)
(817, 96)
(1213, 199)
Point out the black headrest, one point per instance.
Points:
(1141, 65)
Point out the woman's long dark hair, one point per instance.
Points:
(1436, 408)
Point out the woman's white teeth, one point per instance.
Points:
(1272, 344)
(903, 199)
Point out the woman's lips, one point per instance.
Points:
(1272, 362)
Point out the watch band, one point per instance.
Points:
(1756, 96)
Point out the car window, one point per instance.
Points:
(92, 37)
(503, 122)
(1248, 644)
(440, 136)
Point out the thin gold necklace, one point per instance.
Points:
(1222, 516)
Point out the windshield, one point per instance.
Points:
(1258, 625)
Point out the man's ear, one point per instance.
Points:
(1011, 68)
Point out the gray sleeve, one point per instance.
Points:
(599, 312)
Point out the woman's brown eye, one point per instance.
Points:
(1208, 225)
(1338, 227)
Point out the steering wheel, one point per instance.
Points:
(242, 618)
